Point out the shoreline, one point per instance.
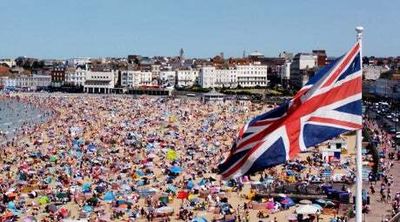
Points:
(27, 124)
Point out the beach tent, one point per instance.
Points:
(109, 196)
(287, 202)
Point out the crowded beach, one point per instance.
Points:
(119, 158)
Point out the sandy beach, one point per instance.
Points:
(105, 158)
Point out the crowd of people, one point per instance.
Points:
(107, 158)
(117, 157)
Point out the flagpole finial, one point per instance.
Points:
(359, 30)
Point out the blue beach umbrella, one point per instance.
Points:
(86, 187)
(176, 169)
(190, 184)
(87, 209)
(199, 219)
(109, 196)
(92, 148)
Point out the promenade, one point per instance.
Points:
(381, 210)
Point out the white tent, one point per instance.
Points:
(307, 209)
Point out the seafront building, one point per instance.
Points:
(26, 82)
(135, 78)
(254, 70)
(100, 81)
(76, 76)
(250, 75)
(186, 77)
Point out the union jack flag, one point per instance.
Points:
(327, 106)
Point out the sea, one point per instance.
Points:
(14, 114)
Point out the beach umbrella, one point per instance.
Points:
(86, 187)
(87, 209)
(199, 219)
(190, 184)
(182, 195)
(11, 205)
(288, 202)
(164, 199)
(109, 196)
(53, 158)
(44, 200)
(92, 148)
(176, 169)
(307, 209)
(171, 155)
(64, 212)
(202, 182)
(171, 188)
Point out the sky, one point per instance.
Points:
(116, 28)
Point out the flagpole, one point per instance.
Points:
(359, 31)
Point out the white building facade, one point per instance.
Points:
(32, 82)
(241, 75)
(168, 77)
(187, 78)
(252, 75)
(100, 82)
(77, 77)
(133, 78)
